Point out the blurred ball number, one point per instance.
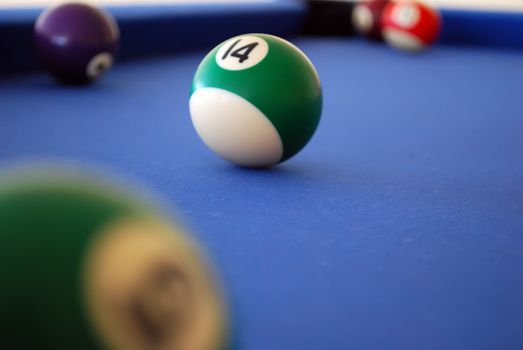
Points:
(88, 265)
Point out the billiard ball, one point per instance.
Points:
(76, 42)
(256, 100)
(85, 264)
(366, 18)
(410, 25)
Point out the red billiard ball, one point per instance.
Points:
(366, 18)
(76, 42)
(410, 25)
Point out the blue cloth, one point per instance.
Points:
(400, 226)
(483, 28)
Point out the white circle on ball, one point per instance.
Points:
(234, 128)
(406, 15)
(362, 19)
(99, 64)
(242, 52)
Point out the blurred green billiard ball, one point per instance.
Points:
(87, 265)
(256, 100)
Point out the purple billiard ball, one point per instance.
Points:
(76, 42)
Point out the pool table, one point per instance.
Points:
(399, 226)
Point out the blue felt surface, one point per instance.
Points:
(482, 28)
(400, 226)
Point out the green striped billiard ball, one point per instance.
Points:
(86, 266)
(256, 100)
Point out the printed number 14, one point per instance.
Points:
(242, 53)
